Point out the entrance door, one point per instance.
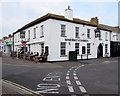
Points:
(100, 51)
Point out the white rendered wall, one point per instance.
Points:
(52, 38)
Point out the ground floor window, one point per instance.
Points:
(106, 48)
(88, 48)
(77, 47)
(42, 48)
(63, 48)
(83, 50)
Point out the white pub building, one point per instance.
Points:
(63, 36)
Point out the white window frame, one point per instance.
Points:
(88, 33)
(34, 30)
(42, 31)
(63, 30)
(88, 48)
(106, 48)
(62, 48)
(77, 47)
(77, 32)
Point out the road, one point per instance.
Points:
(84, 77)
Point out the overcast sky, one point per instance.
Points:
(16, 13)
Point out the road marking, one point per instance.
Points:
(68, 82)
(78, 82)
(74, 73)
(67, 74)
(70, 88)
(67, 77)
(75, 77)
(82, 89)
(21, 87)
(48, 88)
(68, 71)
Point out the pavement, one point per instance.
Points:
(66, 77)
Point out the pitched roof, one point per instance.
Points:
(59, 17)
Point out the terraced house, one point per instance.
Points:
(65, 37)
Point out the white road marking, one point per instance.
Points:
(67, 77)
(68, 71)
(75, 77)
(82, 89)
(67, 74)
(68, 82)
(74, 73)
(70, 88)
(78, 82)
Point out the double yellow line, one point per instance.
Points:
(22, 88)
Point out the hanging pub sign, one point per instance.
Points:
(23, 43)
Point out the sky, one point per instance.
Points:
(16, 13)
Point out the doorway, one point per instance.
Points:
(100, 51)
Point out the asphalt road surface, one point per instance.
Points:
(97, 76)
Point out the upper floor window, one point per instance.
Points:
(77, 47)
(18, 37)
(88, 33)
(42, 31)
(63, 29)
(34, 33)
(106, 35)
(76, 31)
(28, 34)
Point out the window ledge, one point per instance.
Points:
(89, 38)
(63, 36)
(41, 36)
(77, 37)
(63, 56)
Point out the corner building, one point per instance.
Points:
(59, 35)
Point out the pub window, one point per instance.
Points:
(63, 49)
(28, 34)
(88, 48)
(63, 29)
(34, 33)
(83, 49)
(42, 48)
(106, 48)
(18, 37)
(77, 47)
(76, 32)
(106, 36)
(42, 31)
(88, 33)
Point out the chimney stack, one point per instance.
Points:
(95, 20)
(69, 13)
